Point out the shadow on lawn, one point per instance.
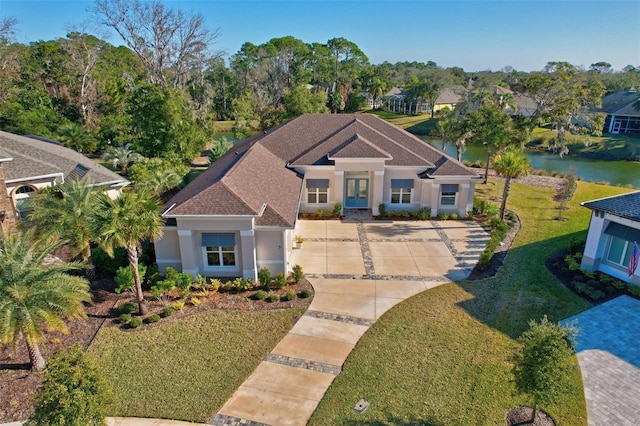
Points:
(523, 289)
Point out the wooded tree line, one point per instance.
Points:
(163, 89)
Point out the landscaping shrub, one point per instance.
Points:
(183, 280)
(214, 284)
(168, 312)
(304, 293)
(125, 318)
(152, 318)
(337, 208)
(124, 278)
(288, 295)
(127, 308)
(273, 297)
(195, 301)
(178, 305)
(454, 216)
(297, 273)
(135, 322)
(443, 216)
(260, 295)
(200, 282)
(422, 214)
(170, 273)
(104, 264)
(152, 276)
(382, 208)
(280, 280)
(264, 276)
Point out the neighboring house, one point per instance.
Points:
(395, 100)
(614, 227)
(240, 214)
(29, 163)
(622, 116)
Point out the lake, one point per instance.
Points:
(621, 173)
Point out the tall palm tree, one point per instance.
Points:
(34, 297)
(64, 212)
(74, 136)
(162, 181)
(121, 156)
(510, 164)
(125, 222)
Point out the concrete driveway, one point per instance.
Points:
(432, 250)
(608, 351)
(358, 272)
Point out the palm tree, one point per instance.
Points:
(74, 136)
(161, 182)
(121, 156)
(34, 297)
(125, 222)
(510, 164)
(64, 212)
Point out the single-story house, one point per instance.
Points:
(240, 214)
(29, 163)
(395, 100)
(622, 116)
(614, 227)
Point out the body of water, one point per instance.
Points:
(620, 173)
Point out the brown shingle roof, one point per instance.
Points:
(256, 177)
(34, 157)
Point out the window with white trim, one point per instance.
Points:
(619, 251)
(219, 250)
(401, 190)
(449, 195)
(24, 200)
(317, 191)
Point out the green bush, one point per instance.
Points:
(337, 209)
(152, 276)
(304, 293)
(260, 295)
(288, 295)
(273, 297)
(183, 280)
(454, 216)
(104, 264)
(125, 318)
(124, 278)
(214, 284)
(178, 305)
(382, 208)
(73, 391)
(421, 214)
(297, 273)
(485, 259)
(168, 312)
(127, 308)
(152, 318)
(170, 273)
(280, 280)
(443, 216)
(135, 322)
(264, 276)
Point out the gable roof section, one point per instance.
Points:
(625, 205)
(36, 157)
(358, 147)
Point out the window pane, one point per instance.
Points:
(615, 250)
(213, 259)
(311, 198)
(395, 198)
(322, 198)
(627, 256)
(228, 259)
(406, 197)
(448, 199)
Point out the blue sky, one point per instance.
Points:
(475, 35)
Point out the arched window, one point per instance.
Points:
(23, 197)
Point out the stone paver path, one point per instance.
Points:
(608, 351)
(358, 272)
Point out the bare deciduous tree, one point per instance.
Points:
(172, 45)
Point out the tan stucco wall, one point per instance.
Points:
(270, 250)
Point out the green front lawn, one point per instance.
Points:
(187, 369)
(443, 356)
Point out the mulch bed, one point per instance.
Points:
(18, 383)
(520, 416)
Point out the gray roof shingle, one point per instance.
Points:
(625, 205)
(35, 157)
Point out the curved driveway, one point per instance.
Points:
(358, 272)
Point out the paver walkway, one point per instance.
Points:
(608, 352)
(358, 272)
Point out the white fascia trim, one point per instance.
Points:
(306, 168)
(52, 175)
(360, 159)
(418, 168)
(2, 160)
(208, 216)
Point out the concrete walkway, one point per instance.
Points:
(608, 352)
(358, 272)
